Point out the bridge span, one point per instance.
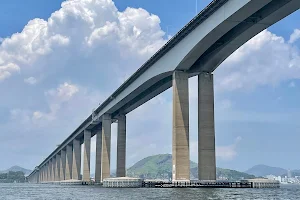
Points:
(196, 50)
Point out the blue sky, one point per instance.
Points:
(64, 67)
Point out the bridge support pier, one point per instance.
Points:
(180, 138)
(121, 146)
(87, 156)
(76, 168)
(62, 165)
(98, 156)
(206, 128)
(51, 170)
(57, 168)
(106, 146)
(69, 161)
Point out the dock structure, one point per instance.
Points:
(262, 183)
(129, 182)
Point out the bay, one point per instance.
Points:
(59, 192)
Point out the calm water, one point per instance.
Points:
(39, 192)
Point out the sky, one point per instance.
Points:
(60, 59)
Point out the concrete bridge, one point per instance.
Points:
(196, 50)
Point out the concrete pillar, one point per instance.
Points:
(50, 170)
(180, 140)
(37, 176)
(62, 164)
(87, 156)
(53, 168)
(206, 128)
(46, 172)
(98, 156)
(69, 161)
(57, 168)
(106, 143)
(121, 146)
(76, 167)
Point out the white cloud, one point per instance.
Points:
(267, 59)
(295, 36)
(6, 69)
(30, 80)
(83, 29)
(63, 93)
(229, 152)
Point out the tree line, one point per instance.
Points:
(12, 177)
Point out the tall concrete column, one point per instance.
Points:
(98, 156)
(57, 168)
(76, 168)
(50, 170)
(69, 161)
(46, 172)
(121, 146)
(206, 128)
(62, 164)
(53, 168)
(43, 174)
(180, 139)
(87, 156)
(106, 143)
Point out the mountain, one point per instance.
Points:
(17, 169)
(160, 167)
(264, 170)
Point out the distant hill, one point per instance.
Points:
(160, 167)
(17, 169)
(264, 170)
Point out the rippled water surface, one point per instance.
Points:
(39, 192)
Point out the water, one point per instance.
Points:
(53, 192)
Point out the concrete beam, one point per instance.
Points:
(76, 167)
(206, 128)
(87, 156)
(121, 147)
(62, 165)
(180, 140)
(98, 156)
(69, 162)
(106, 143)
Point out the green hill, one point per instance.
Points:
(160, 167)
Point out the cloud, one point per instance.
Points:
(63, 93)
(82, 30)
(30, 81)
(295, 36)
(250, 66)
(229, 152)
(6, 69)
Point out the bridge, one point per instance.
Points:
(196, 50)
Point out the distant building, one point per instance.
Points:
(289, 173)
